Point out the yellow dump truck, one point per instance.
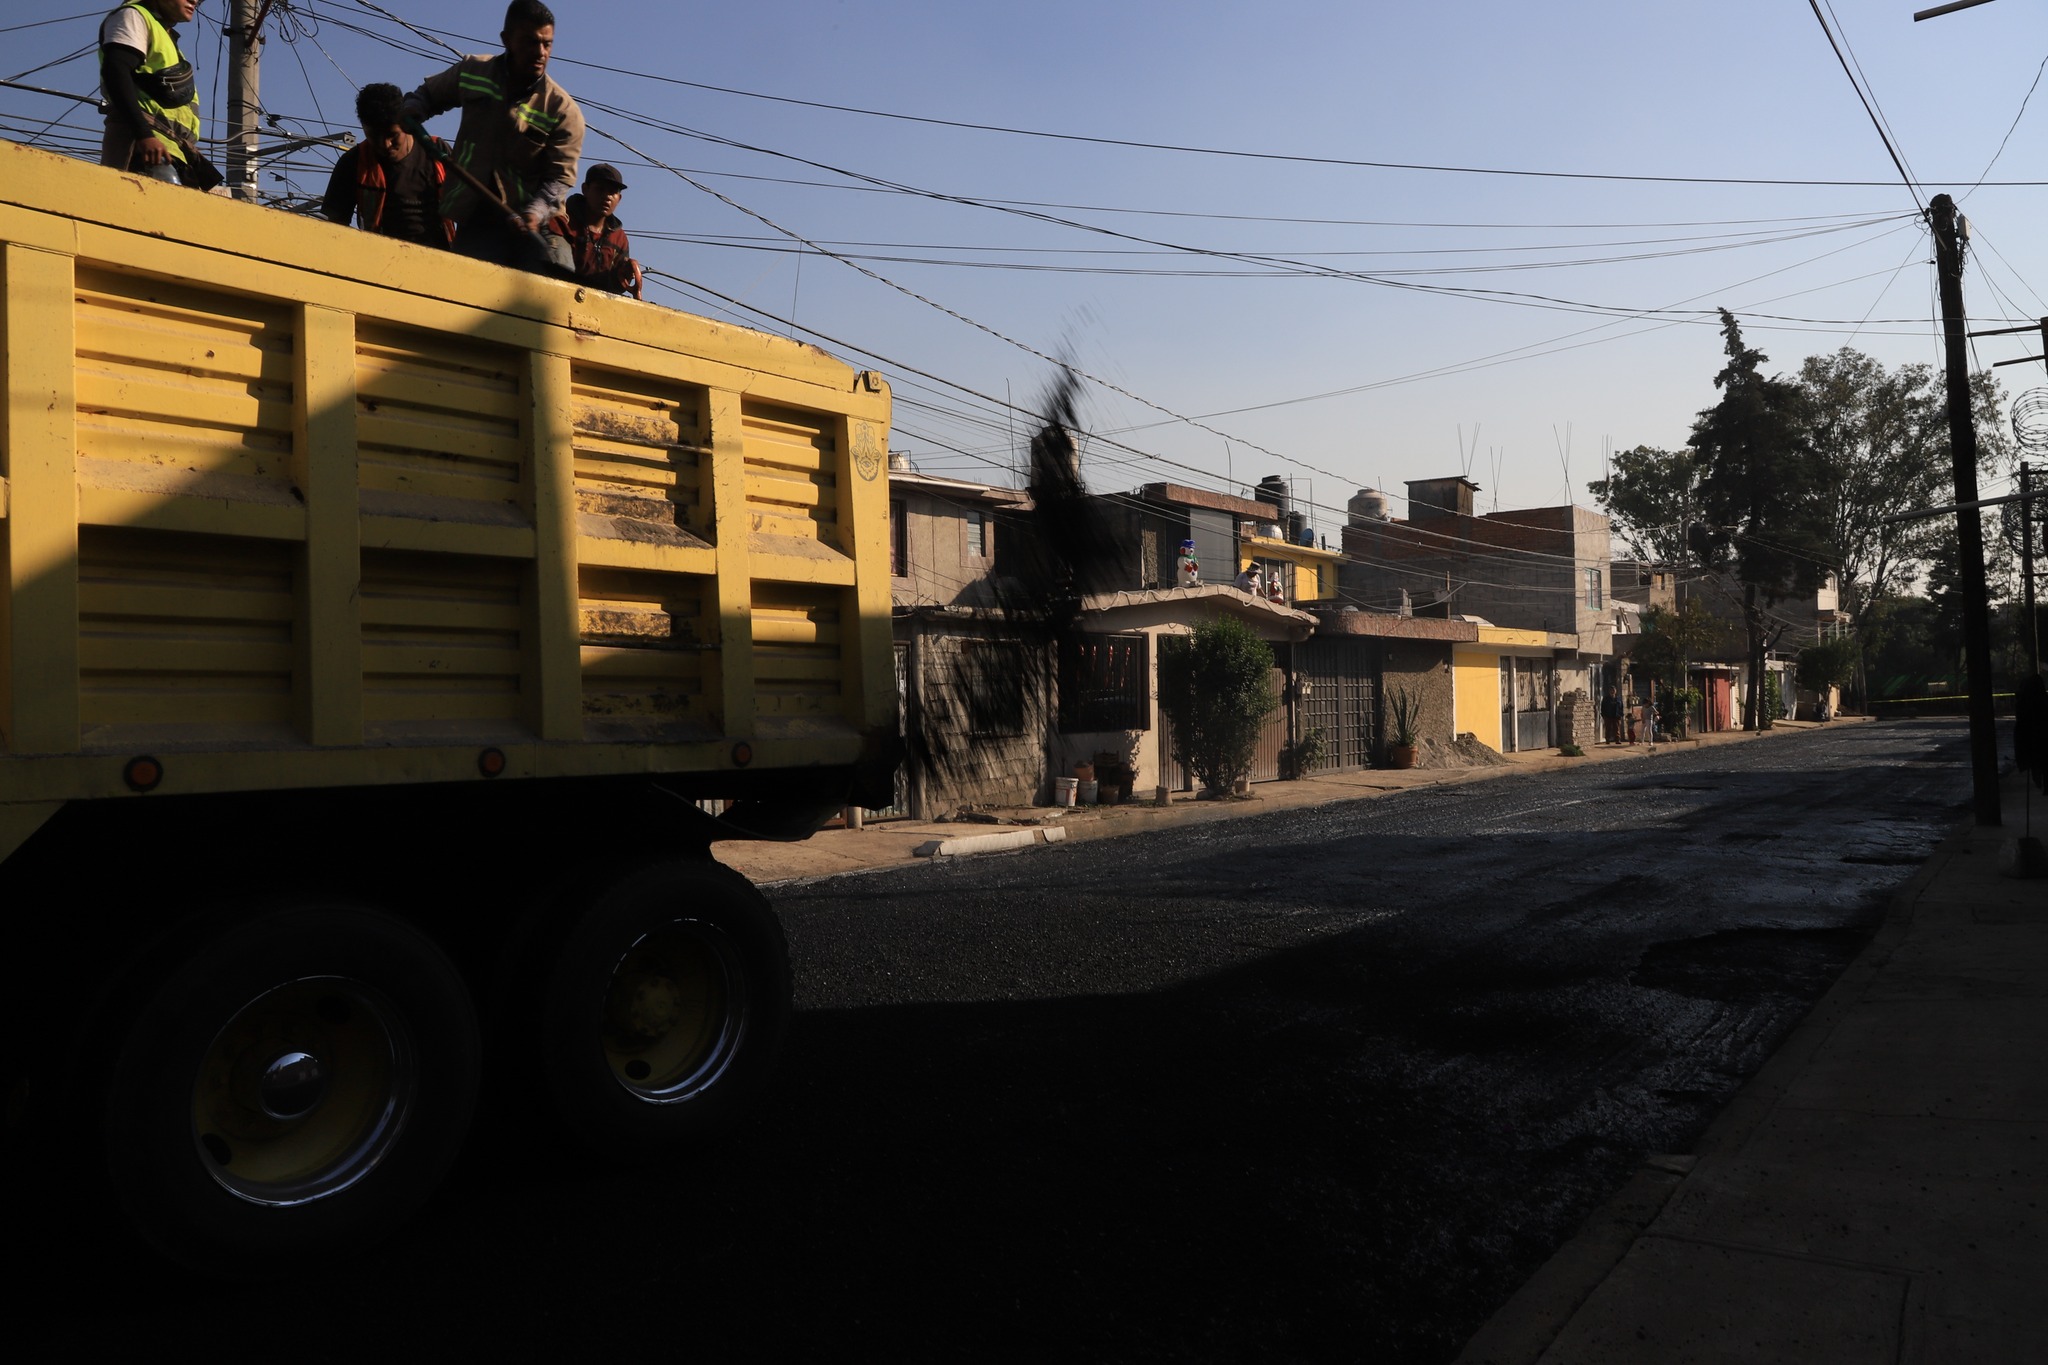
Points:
(377, 630)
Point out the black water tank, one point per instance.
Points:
(1273, 489)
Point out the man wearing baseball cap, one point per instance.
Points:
(597, 243)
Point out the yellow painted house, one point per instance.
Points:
(1504, 686)
(1310, 573)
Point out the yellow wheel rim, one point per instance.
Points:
(674, 1011)
(303, 1092)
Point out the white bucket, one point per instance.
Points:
(1063, 790)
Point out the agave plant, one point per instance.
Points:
(1404, 709)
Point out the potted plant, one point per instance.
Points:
(1404, 709)
(1299, 758)
(1118, 767)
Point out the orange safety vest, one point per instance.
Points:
(371, 186)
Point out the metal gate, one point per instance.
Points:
(1273, 738)
(899, 808)
(1265, 758)
(1343, 687)
(1528, 696)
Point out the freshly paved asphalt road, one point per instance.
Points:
(1319, 1085)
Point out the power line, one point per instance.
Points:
(1875, 121)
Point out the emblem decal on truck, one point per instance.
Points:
(867, 451)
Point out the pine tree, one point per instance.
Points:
(1760, 490)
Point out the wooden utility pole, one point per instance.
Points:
(2027, 548)
(244, 106)
(1962, 440)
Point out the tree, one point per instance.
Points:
(1826, 664)
(1760, 488)
(1881, 439)
(1216, 691)
(1651, 496)
(1671, 640)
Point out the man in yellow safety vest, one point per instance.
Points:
(152, 94)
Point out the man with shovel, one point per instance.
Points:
(516, 149)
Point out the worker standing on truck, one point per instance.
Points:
(597, 241)
(152, 92)
(520, 133)
(391, 183)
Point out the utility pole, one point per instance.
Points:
(2027, 547)
(1962, 440)
(244, 107)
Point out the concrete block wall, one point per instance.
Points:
(1422, 667)
(973, 769)
(1578, 719)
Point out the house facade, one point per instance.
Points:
(1534, 582)
(1793, 621)
(974, 690)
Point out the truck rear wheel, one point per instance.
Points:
(663, 1007)
(293, 1083)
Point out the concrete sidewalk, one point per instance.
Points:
(1877, 1192)
(834, 852)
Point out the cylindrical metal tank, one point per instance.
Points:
(1273, 489)
(1368, 504)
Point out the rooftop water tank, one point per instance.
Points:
(899, 462)
(1273, 489)
(1367, 505)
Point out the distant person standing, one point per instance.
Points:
(1610, 714)
(391, 182)
(597, 243)
(152, 92)
(521, 134)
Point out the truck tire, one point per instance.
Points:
(293, 1084)
(662, 1008)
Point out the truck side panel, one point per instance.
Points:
(350, 512)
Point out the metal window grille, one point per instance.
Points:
(1105, 683)
(993, 678)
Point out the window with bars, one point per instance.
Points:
(1593, 589)
(899, 538)
(992, 682)
(977, 535)
(1105, 683)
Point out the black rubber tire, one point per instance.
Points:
(714, 919)
(172, 1046)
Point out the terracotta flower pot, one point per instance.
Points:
(1400, 755)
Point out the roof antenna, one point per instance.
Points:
(1564, 457)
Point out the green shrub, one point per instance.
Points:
(1299, 759)
(1216, 691)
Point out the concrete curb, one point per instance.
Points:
(989, 843)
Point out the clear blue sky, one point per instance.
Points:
(1740, 90)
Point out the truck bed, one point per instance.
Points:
(289, 505)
